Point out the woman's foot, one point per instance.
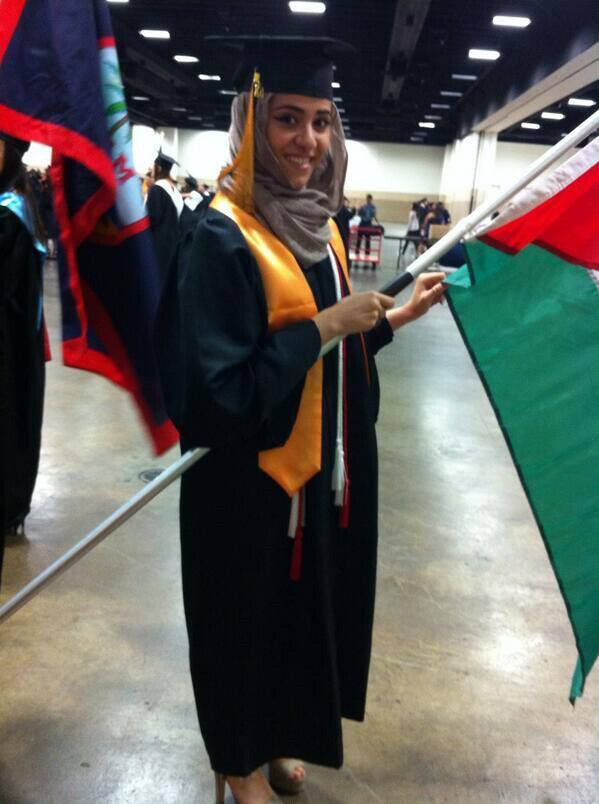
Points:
(287, 775)
(252, 789)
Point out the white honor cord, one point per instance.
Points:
(339, 465)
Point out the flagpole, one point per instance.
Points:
(392, 288)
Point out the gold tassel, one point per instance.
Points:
(242, 167)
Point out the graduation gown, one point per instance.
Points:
(22, 369)
(275, 663)
(164, 223)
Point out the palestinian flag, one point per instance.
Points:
(527, 306)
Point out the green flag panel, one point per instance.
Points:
(531, 324)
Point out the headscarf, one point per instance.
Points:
(298, 218)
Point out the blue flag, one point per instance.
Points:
(60, 84)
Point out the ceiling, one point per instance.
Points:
(407, 52)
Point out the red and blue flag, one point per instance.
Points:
(60, 84)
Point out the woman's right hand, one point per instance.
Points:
(356, 313)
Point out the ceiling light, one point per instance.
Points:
(139, 98)
(195, 117)
(416, 139)
(440, 106)
(179, 109)
(302, 7)
(432, 117)
(118, 1)
(530, 125)
(338, 100)
(464, 77)
(485, 55)
(449, 94)
(511, 22)
(149, 34)
(426, 125)
(204, 77)
(186, 59)
(581, 102)
(552, 115)
(340, 110)
(227, 92)
(336, 85)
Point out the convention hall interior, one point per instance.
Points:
(444, 104)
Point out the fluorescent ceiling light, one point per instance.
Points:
(530, 125)
(179, 109)
(485, 55)
(464, 77)
(227, 92)
(511, 22)
(552, 115)
(195, 117)
(186, 59)
(338, 100)
(426, 125)
(304, 7)
(336, 85)
(118, 1)
(450, 94)
(204, 77)
(340, 110)
(440, 106)
(581, 102)
(416, 139)
(149, 34)
(433, 117)
(139, 98)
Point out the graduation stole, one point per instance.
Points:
(289, 300)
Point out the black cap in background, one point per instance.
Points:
(292, 65)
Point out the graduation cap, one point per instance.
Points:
(293, 65)
(165, 161)
(290, 65)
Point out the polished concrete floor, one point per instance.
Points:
(472, 648)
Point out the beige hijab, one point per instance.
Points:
(298, 218)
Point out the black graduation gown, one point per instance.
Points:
(275, 663)
(22, 370)
(164, 223)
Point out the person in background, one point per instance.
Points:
(367, 213)
(164, 205)
(22, 352)
(342, 219)
(191, 195)
(413, 229)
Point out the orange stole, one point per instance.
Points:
(289, 300)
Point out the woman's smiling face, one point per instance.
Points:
(299, 132)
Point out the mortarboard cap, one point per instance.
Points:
(292, 65)
(165, 161)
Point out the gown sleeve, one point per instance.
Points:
(226, 379)
(378, 337)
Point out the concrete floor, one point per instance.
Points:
(472, 648)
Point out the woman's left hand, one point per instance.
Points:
(428, 290)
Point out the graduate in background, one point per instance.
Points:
(278, 558)
(164, 205)
(22, 353)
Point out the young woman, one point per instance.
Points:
(279, 521)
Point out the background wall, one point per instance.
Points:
(395, 174)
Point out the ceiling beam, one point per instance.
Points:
(407, 26)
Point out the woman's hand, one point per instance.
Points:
(428, 290)
(356, 313)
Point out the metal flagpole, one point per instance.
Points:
(392, 288)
